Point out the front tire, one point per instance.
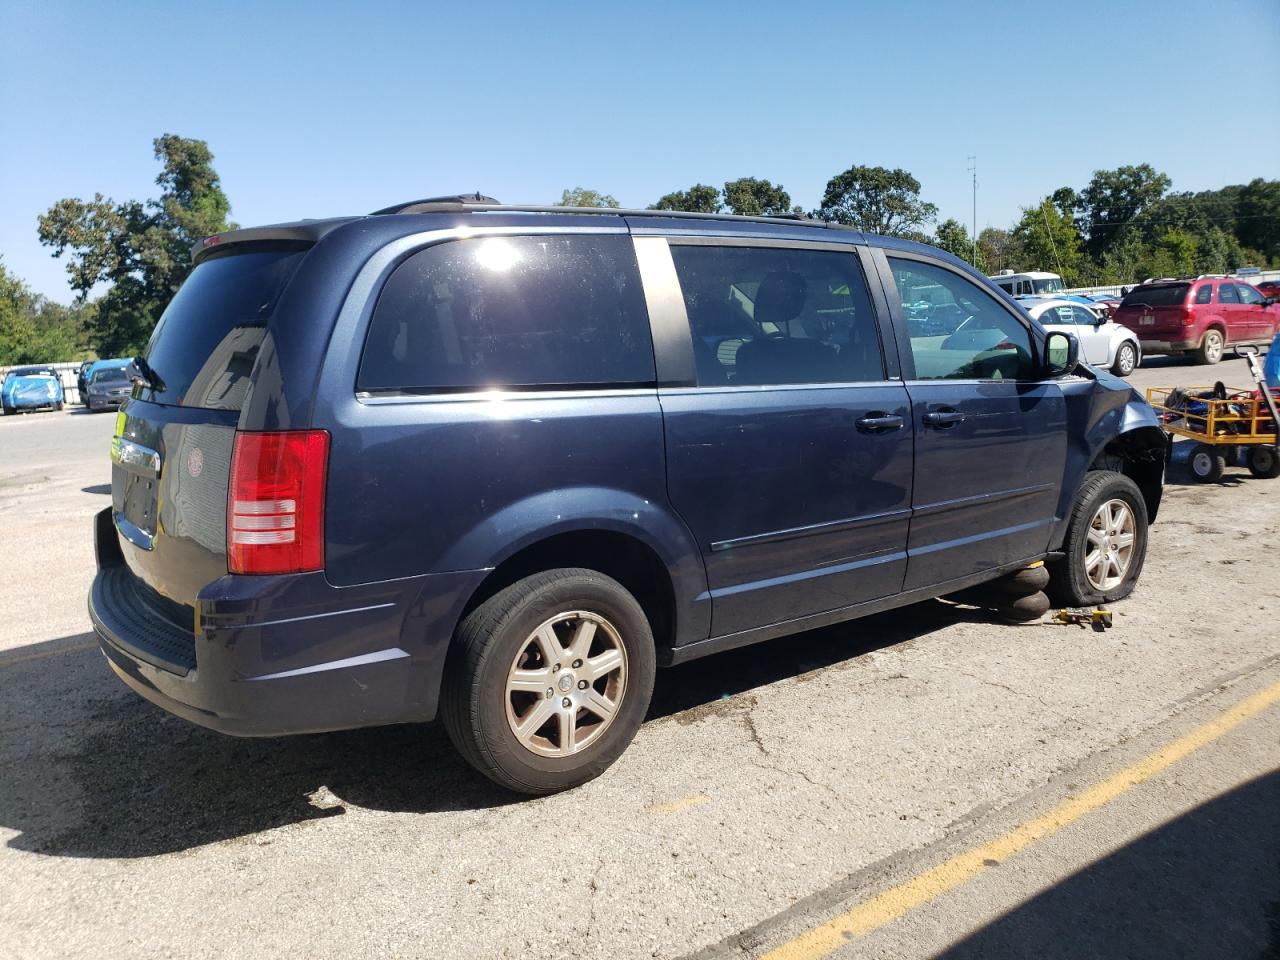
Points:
(1211, 347)
(549, 679)
(1207, 464)
(1126, 360)
(1106, 542)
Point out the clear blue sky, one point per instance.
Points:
(318, 108)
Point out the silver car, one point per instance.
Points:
(109, 387)
(1103, 342)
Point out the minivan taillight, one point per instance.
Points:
(275, 502)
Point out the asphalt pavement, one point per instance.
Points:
(838, 792)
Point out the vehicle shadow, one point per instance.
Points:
(1206, 884)
(92, 770)
(104, 488)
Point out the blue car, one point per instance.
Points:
(31, 388)
(496, 465)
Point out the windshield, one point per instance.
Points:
(1169, 295)
(1053, 285)
(112, 375)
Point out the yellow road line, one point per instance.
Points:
(75, 648)
(897, 901)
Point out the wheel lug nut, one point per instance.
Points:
(577, 664)
(550, 692)
(555, 668)
(582, 684)
(566, 702)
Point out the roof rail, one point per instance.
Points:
(458, 201)
(1212, 276)
(479, 203)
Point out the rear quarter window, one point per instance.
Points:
(207, 340)
(511, 312)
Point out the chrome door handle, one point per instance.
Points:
(941, 419)
(879, 422)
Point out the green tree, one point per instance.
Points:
(952, 237)
(749, 197)
(998, 250)
(1049, 241)
(586, 197)
(877, 200)
(1259, 218)
(32, 328)
(1115, 198)
(699, 198)
(141, 248)
(1213, 252)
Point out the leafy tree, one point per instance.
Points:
(141, 248)
(750, 197)
(1213, 252)
(998, 250)
(1050, 241)
(952, 237)
(585, 197)
(699, 198)
(32, 329)
(1259, 217)
(877, 200)
(1116, 198)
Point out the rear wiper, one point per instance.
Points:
(148, 375)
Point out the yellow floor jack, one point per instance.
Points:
(1099, 618)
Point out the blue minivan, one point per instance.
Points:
(497, 464)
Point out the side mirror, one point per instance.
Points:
(1061, 354)
(1269, 301)
(1099, 321)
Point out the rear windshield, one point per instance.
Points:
(1170, 295)
(207, 341)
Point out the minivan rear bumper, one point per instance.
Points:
(275, 655)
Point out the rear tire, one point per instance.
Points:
(532, 634)
(1126, 360)
(1207, 465)
(1211, 347)
(1264, 463)
(1106, 542)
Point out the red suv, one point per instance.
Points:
(1199, 317)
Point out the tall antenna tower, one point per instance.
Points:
(973, 173)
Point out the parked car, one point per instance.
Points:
(1269, 289)
(1103, 343)
(1199, 317)
(30, 388)
(496, 464)
(1108, 303)
(82, 379)
(109, 386)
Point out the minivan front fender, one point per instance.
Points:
(1111, 427)
(525, 523)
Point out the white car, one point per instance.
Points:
(1103, 342)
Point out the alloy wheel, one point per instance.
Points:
(566, 684)
(1111, 539)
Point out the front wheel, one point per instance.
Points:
(1106, 542)
(549, 679)
(1126, 360)
(1207, 464)
(1211, 347)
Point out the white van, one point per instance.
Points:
(1031, 283)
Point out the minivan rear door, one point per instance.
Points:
(172, 449)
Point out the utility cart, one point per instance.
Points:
(1225, 423)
